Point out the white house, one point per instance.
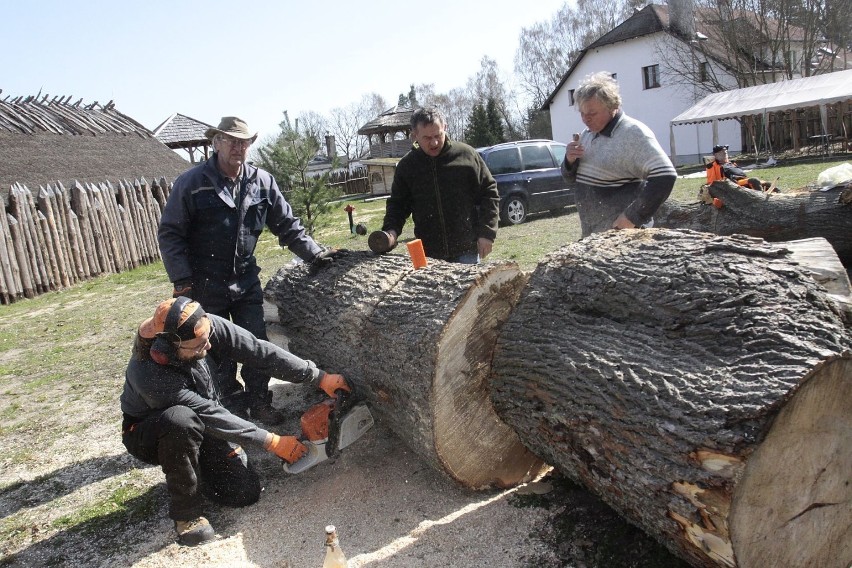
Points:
(649, 60)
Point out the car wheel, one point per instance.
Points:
(515, 210)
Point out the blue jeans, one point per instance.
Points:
(468, 258)
(244, 307)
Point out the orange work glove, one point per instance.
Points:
(288, 448)
(331, 383)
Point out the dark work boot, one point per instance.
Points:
(755, 184)
(263, 411)
(237, 403)
(194, 532)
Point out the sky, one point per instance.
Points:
(253, 59)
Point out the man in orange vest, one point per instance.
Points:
(723, 168)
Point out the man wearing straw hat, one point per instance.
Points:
(208, 233)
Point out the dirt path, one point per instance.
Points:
(391, 510)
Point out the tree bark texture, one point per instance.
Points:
(699, 384)
(817, 257)
(417, 345)
(771, 216)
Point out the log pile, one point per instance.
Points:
(701, 385)
(58, 237)
(417, 345)
(775, 217)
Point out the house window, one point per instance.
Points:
(703, 72)
(571, 97)
(651, 77)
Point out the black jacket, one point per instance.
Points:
(150, 387)
(452, 198)
(203, 235)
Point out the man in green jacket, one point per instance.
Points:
(447, 189)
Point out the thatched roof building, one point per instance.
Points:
(389, 132)
(185, 133)
(389, 135)
(45, 141)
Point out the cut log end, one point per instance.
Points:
(417, 345)
(793, 506)
(473, 444)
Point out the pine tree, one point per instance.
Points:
(495, 123)
(287, 159)
(485, 127)
(477, 134)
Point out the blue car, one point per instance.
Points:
(528, 177)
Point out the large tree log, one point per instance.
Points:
(771, 216)
(417, 344)
(818, 258)
(701, 385)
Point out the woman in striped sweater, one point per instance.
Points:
(622, 174)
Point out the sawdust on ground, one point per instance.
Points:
(391, 509)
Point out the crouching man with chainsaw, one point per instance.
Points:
(173, 417)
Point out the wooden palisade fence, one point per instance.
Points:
(56, 237)
(350, 182)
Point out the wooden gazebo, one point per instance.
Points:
(389, 141)
(185, 133)
(389, 133)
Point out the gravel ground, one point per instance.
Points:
(391, 509)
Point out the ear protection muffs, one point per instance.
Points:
(164, 348)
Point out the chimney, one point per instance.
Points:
(330, 147)
(726, 11)
(682, 18)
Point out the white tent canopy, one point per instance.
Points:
(819, 90)
(783, 95)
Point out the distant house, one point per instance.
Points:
(45, 141)
(181, 132)
(389, 135)
(324, 160)
(667, 59)
(633, 53)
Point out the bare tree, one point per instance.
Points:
(594, 18)
(754, 41)
(313, 124)
(426, 94)
(547, 50)
(376, 104)
(489, 84)
(456, 105)
(345, 122)
(838, 27)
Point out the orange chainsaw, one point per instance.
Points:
(328, 427)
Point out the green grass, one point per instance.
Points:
(126, 499)
(525, 243)
(792, 176)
